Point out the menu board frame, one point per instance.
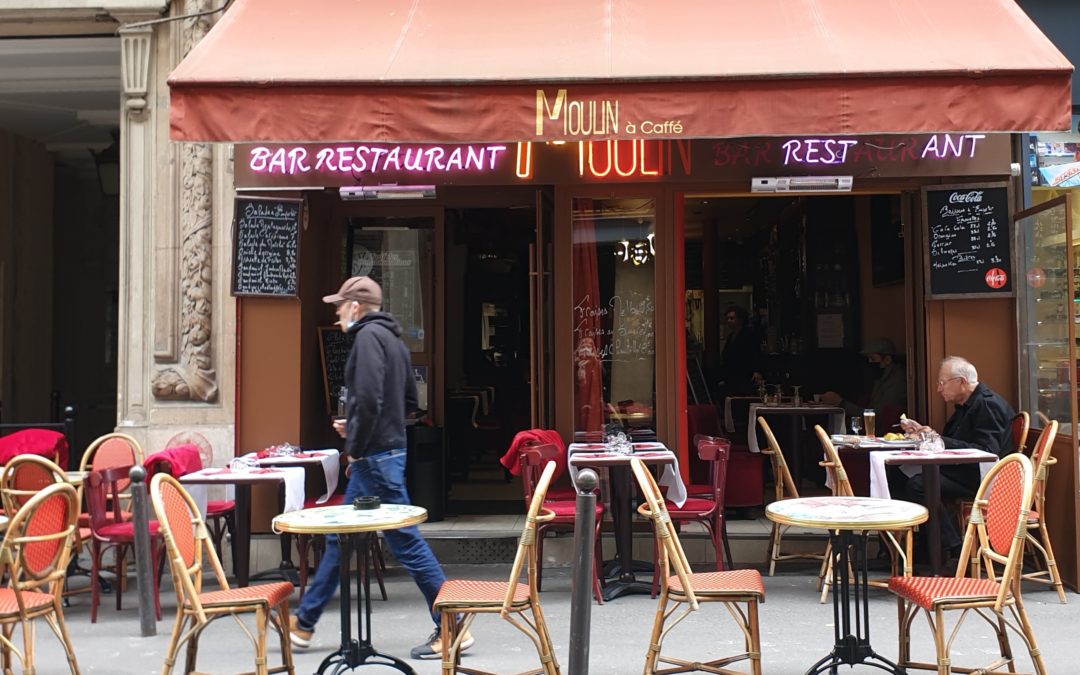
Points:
(1006, 222)
(301, 218)
(330, 396)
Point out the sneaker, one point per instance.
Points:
(432, 648)
(297, 635)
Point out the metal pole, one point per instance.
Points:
(144, 564)
(581, 587)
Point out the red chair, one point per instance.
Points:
(533, 460)
(707, 510)
(108, 451)
(108, 530)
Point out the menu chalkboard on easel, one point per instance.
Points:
(968, 248)
(334, 348)
(266, 242)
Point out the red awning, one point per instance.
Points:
(498, 70)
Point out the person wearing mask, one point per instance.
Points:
(741, 357)
(888, 394)
(981, 419)
(381, 390)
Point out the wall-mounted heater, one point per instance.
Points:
(802, 184)
(357, 192)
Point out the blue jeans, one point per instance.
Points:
(383, 475)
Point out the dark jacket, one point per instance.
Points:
(741, 358)
(983, 422)
(381, 387)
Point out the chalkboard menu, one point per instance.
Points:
(334, 348)
(968, 242)
(266, 240)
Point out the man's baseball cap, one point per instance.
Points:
(883, 346)
(360, 289)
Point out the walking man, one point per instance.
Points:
(381, 389)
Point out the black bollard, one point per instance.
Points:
(144, 565)
(581, 586)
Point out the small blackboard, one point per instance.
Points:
(968, 249)
(334, 348)
(266, 242)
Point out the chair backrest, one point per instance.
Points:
(112, 450)
(1021, 423)
(841, 486)
(24, 476)
(1042, 460)
(715, 451)
(187, 540)
(533, 460)
(669, 548)
(526, 551)
(36, 547)
(103, 497)
(998, 524)
(785, 485)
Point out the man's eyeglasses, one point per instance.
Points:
(942, 383)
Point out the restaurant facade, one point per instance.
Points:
(564, 232)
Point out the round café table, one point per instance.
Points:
(848, 520)
(354, 527)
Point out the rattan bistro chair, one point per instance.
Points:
(188, 546)
(1038, 537)
(740, 591)
(34, 557)
(995, 536)
(24, 476)
(785, 489)
(460, 601)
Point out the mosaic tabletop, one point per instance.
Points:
(847, 513)
(346, 518)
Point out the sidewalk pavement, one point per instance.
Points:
(796, 632)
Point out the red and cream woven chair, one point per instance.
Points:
(189, 547)
(740, 591)
(785, 489)
(1038, 536)
(460, 601)
(34, 557)
(24, 476)
(995, 536)
(900, 554)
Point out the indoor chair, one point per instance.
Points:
(900, 554)
(995, 535)
(189, 547)
(785, 489)
(34, 557)
(740, 591)
(533, 460)
(109, 531)
(1039, 545)
(460, 601)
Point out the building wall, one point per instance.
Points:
(1059, 20)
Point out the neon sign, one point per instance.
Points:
(835, 151)
(360, 159)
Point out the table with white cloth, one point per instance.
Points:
(786, 422)
(598, 456)
(292, 477)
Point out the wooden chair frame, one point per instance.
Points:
(1038, 536)
(900, 554)
(189, 547)
(995, 535)
(15, 491)
(36, 574)
(740, 592)
(517, 603)
(785, 489)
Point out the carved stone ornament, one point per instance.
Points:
(193, 378)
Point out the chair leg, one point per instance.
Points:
(260, 639)
(95, 580)
(281, 614)
(121, 573)
(174, 643)
(774, 548)
(59, 626)
(1051, 564)
(539, 558)
(1029, 635)
(755, 636)
(598, 562)
(652, 656)
(447, 637)
(941, 645)
(548, 661)
(378, 565)
(727, 544)
(28, 648)
(303, 545)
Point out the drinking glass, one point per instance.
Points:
(869, 420)
(856, 424)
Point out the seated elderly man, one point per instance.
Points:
(981, 419)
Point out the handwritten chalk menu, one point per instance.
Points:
(334, 348)
(266, 239)
(968, 241)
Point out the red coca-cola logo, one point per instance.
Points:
(1036, 277)
(996, 277)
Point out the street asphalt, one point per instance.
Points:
(796, 632)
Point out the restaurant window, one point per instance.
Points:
(614, 313)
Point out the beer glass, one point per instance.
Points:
(869, 417)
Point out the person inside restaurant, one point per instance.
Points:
(981, 419)
(741, 357)
(888, 394)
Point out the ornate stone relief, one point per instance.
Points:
(193, 377)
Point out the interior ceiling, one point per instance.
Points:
(734, 217)
(63, 93)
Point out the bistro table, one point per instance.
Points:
(848, 519)
(354, 528)
(243, 480)
(597, 456)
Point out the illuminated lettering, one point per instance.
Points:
(592, 166)
(579, 117)
(257, 159)
(659, 159)
(474, 159)
(412, 159)
(552, 112)
(943, 146)
(455, 159)
(615, 161)
(393, 157)
(435, 156)
(816, 150)
(493, 152)
(523, 166)
(377, 155)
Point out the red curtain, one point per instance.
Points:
(588, 334)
